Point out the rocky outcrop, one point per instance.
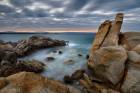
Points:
(7, 68)
(114, 60)
(10, 51)
(36, 42)
(24, 47)
(27, 82)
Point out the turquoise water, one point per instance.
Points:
(79, 43)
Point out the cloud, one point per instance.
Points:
(85, 13)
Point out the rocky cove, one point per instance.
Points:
(108, 65)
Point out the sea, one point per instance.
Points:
(79, 44)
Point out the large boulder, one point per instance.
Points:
(108, 63)
(27, 82)
(131, 82)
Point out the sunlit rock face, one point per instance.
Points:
(106, 56)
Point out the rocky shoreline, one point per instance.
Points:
(11, 51)
(113, 65)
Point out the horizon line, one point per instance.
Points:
(53, 30)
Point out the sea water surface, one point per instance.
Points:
(79, 43)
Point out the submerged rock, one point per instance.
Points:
(28, 82)
(60, 52)
(79, 55)
(50, 59)
(69, 62)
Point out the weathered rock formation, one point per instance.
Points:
(114, 60)
(10, 51)
(27, 82)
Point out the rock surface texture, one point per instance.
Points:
(28, 82)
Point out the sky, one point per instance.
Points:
(67, 13)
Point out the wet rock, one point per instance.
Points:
(6, 68)
(50, 59)
(68, 80)
(109, 63)
(55, 51)
(36, 42)
(2, 53)
(87, 56)
(28, 82)
(10, 56)
(78, 74)
(30, 66)
(80, 55)
(60, 52)
(69, 62)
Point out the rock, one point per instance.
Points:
(131, 82)
(30, 66)
(10, 56)
(3, 82)
(80, 55)
(6, 68)
(69, 62)
(101, 35)
(2, 53)
(50, 59)
(28, 82)
(54, 51)
(67, 79)
(109, 63)
(133, 56)
(112, 38)
(132, 39)
(60, 52)
(36, 42)
(78, 74)
(87, 56)
(137, 49)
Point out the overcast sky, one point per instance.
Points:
(68, 13)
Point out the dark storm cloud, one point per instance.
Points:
(6, 9)
(84, 12)
(20, 3)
